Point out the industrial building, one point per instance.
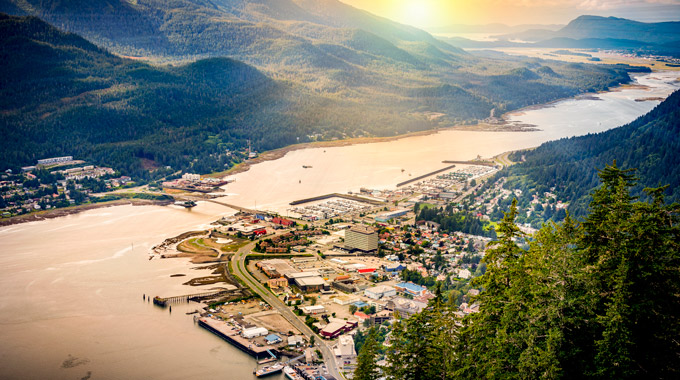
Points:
(386, 216)
(55, 160)
(313, 310)
(361, 238)
(411, 288)
(381, 291)
(337, 327)
(254, 332)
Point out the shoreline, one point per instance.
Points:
(71, 210)
(504, 126)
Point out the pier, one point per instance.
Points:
(231, 335)
(165, 301)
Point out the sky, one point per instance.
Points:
(438, 13)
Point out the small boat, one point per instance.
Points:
(269, 370)
(307, 166)
(291, 373)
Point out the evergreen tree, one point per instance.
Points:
(366, 367)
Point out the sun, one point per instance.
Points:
(417, 12)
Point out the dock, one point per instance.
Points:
(165, 301)
(231, 335)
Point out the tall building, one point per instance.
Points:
(362, 238)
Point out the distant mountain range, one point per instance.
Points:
(592, 32)
(297, 71)
(649, 144)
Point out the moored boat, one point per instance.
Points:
(269, 370)
(291, 373)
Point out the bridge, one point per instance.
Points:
(231, 206)
(165, 301)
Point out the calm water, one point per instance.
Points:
(72, 287)
(272, 185)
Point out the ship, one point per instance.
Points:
(307, 166)
(291, 373)
(269, 370)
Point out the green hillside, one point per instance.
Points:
(327, 47)
(649, 144)
(296, 72)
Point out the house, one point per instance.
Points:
(361, 316)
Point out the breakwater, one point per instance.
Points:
(336, 195)
(418, 178)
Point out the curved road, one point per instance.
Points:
(239, 267)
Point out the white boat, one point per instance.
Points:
(291, 374)
(269, 370)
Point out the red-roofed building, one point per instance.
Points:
(283, 222)
(361, 316)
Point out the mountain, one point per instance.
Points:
(619, 28)
(324, 45)
(496, 28)
(649, 144)
(323, 71)
(591, 32)
(62, 95)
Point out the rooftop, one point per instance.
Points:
(362, 229)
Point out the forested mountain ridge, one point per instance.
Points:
(596, 300)
(61, 95)
(327, 47)
(593, 32)
(649, 144)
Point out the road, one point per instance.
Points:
(240, 271)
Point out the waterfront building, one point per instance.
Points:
(254, 332)
(272, 339)
(361, 238)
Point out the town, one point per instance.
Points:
(339, 264)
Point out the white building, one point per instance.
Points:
(464, 273)
(380, 291)
(254, 332)
(313, 310)
(344, 351)
(191, 177)
(362, 238)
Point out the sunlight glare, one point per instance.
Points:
(417, 12)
